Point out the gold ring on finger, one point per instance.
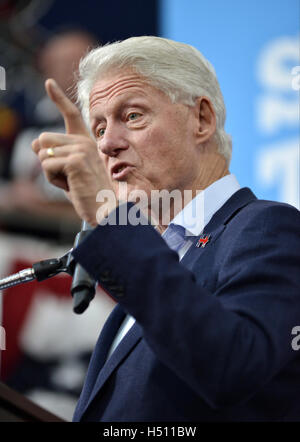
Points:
(50, 152)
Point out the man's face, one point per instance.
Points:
(143, 138)
(61, 57)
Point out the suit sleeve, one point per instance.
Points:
(225, 344)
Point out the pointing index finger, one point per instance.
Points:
(74, 123)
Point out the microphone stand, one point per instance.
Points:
(83, 285)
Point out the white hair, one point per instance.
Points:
(177, 69)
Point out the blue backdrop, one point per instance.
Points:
(254, 47)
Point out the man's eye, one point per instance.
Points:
(133, 116)
(100, 132)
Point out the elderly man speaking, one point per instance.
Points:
(208, 300)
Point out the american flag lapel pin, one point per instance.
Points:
(203, 240)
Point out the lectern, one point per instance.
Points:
(14, 407)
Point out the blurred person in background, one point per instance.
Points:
(28, 191)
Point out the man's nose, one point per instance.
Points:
(113, 141)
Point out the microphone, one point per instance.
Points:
(83, 287)
(40, 271)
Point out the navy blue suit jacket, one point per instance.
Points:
(212, 338)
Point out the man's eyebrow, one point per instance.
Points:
(119, 107)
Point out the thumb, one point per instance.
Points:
(74, 123)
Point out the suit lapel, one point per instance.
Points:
(217, 224)
(130, 340)
(194, 252)
(99, 355)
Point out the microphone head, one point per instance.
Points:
(82, 299)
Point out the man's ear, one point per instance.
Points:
(206, 119)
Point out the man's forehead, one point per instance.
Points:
(111, 79)
(114, 84)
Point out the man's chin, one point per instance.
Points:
(131, 193)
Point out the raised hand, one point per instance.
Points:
(71, 161)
